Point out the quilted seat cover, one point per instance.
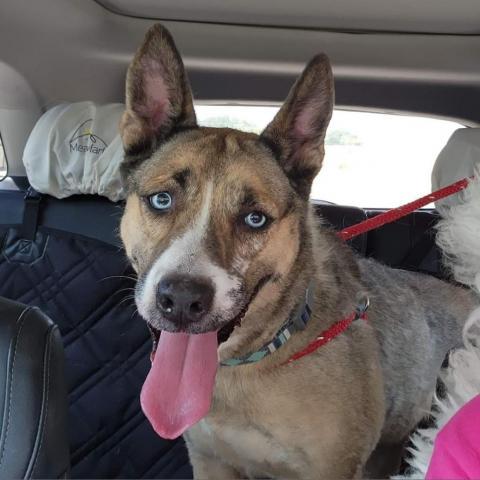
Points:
(86, 287)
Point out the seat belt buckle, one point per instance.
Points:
(32, 194)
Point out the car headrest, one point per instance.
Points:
(76, 149)
(460, 158)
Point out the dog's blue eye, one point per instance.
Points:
(160, 201)
(256, 220)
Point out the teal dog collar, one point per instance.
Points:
(297, 322)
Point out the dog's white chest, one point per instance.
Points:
(248, 449)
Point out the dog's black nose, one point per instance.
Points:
(184, 299)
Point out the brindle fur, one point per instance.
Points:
(324, 415)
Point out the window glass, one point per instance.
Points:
(373, 160)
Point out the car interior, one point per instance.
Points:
(74, 349)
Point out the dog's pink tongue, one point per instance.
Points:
(178, 390)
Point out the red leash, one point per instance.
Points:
(399, 212)
(365, 226)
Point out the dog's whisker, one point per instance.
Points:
(126, 299)
(128, 289)
(125, 277)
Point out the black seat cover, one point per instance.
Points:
(84, 283)
(33, 406)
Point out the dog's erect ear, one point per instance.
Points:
(297, 133)
(158, 96)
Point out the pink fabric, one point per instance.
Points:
(456, 453)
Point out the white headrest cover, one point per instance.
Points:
(460, 158)
(76, 149)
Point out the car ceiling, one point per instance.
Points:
(53, 51)
(425, 16)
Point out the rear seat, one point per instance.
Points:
(64, 257)
(408, 243)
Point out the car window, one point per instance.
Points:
(3, 162)
(373, 160)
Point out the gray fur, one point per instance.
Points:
(417, 320)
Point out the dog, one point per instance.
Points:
(218, 226)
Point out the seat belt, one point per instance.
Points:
(31, 211)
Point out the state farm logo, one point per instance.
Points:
(85, 141)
